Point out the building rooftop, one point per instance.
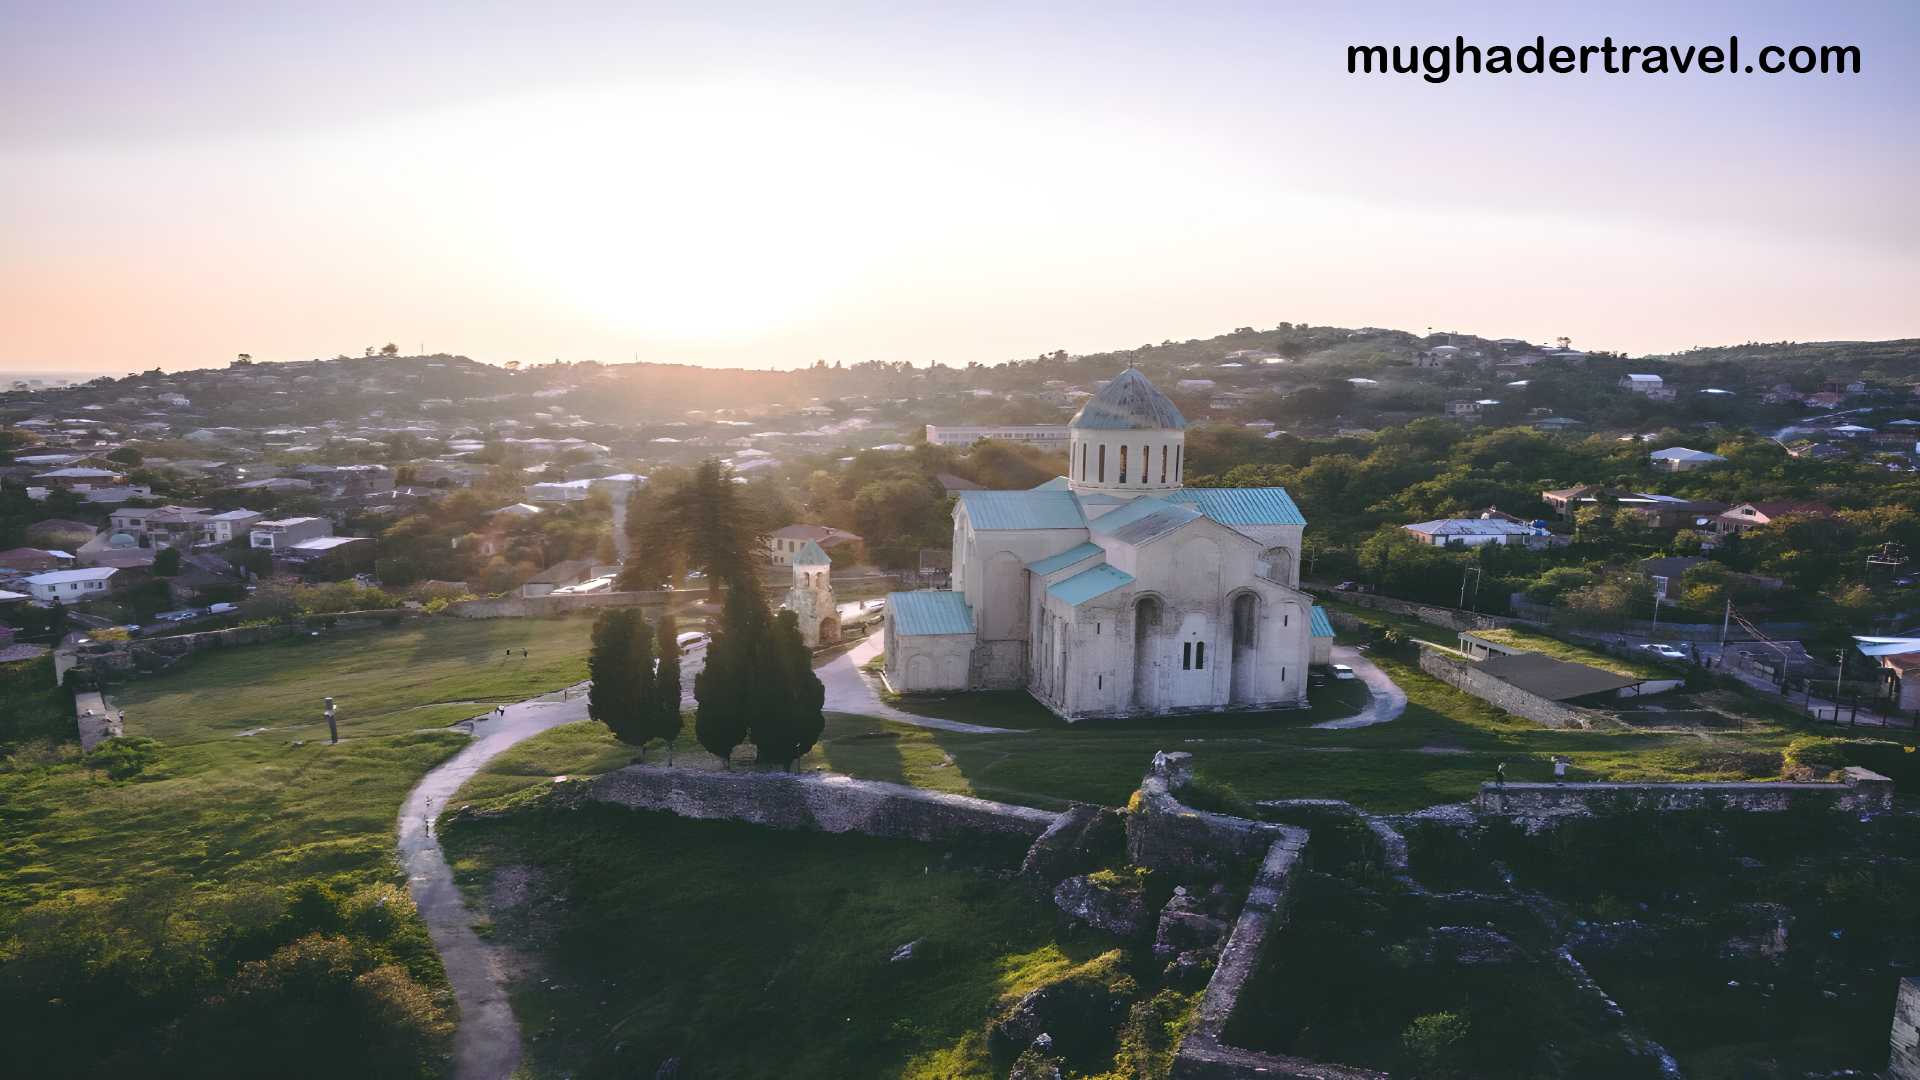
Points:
(1091, 583)
(920, 614)
(1129, 402)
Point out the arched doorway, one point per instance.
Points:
(1246, 630)
(1147, 616)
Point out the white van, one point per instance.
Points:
(691, 640)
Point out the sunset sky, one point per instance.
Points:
(764, 184)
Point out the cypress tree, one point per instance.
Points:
(620, 663)
(666, 682)
(732, 685)
(791, 720)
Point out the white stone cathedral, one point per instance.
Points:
(1115, 590)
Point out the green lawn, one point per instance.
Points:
(749, 952)
(215, 807)
(377, 678)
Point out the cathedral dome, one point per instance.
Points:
(1129, 403)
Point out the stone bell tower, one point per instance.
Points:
(811, 598)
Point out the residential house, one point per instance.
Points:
(558, 576)
(782, 544)
(71, 586)
(161, 526)
(228, 525)
(560, 491)
(1682, 459)
(1652, 387)
(284, 533)
(1044, 436)
(1474, 532)
(1754, 515)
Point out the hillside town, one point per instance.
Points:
(1121, 635)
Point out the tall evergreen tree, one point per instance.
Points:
(736, 682)
(790, 722)
(666, 682)
(620, 663)
(707, 524)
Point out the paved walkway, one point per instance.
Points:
(96, 718)
(1389, 701)
(850, 690)
(486, 1045)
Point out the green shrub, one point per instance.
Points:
(1432, 1045)
(124, 757)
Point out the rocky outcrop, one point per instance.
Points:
(1113, 904)
(1075, 1017)
(1081, 839)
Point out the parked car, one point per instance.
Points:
(1342, 671)
(1665, 652)
(1352, 586)
(183, 615)
(223, 609)
(691, 640)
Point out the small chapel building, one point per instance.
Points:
(1116, 591)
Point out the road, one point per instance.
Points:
(486, 1045)
(1389, 701)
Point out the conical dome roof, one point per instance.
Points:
(1129, 403)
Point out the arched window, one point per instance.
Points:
(1163, 463)
(1123, 463)
(1178, 476)
(1083, 461)
(1103, 463)
(1146, 461)
(1276, 564)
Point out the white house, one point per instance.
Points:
(1045, 436)
(1115, 590)
(286, 532)
(1653, 386)
(1473, 532)
(71, 586)
(1681, 459)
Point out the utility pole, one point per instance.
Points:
(1475, 571)
(333, 729)
(1839, 672)
(1654, 630)
(1724, 620)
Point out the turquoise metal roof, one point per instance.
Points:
(1242, 506)
(1089, 583)
(1144, 519)
(1077, 553)
(1023, 510)
(917, 614)
(1128, 403)
(810, 554)
(1322, 626)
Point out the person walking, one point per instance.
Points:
(1559, 769)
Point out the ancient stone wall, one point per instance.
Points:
(1462, 674)
(823, 802)
(1164, 833)
(523, 607)
(1905, 1061)
(147, 656)
(1862, 791)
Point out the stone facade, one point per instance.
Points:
(821, 802)
(1861, 792)
(1460, 673)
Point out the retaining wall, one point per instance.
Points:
(524, 607)
(1462, 674)
(146, 656)
(823, 802)
(1862, 792)
(1905, 1061)
(1451, 618)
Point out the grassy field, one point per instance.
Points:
(214, 807)
(380, 680)
(749, 952)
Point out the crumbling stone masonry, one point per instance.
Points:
(1862, 791)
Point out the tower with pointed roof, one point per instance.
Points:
(811, 597)
(1127, 440)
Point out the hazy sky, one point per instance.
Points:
(764, 184)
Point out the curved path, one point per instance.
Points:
(850, 690)
(1389, 701)
(486, 1045)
